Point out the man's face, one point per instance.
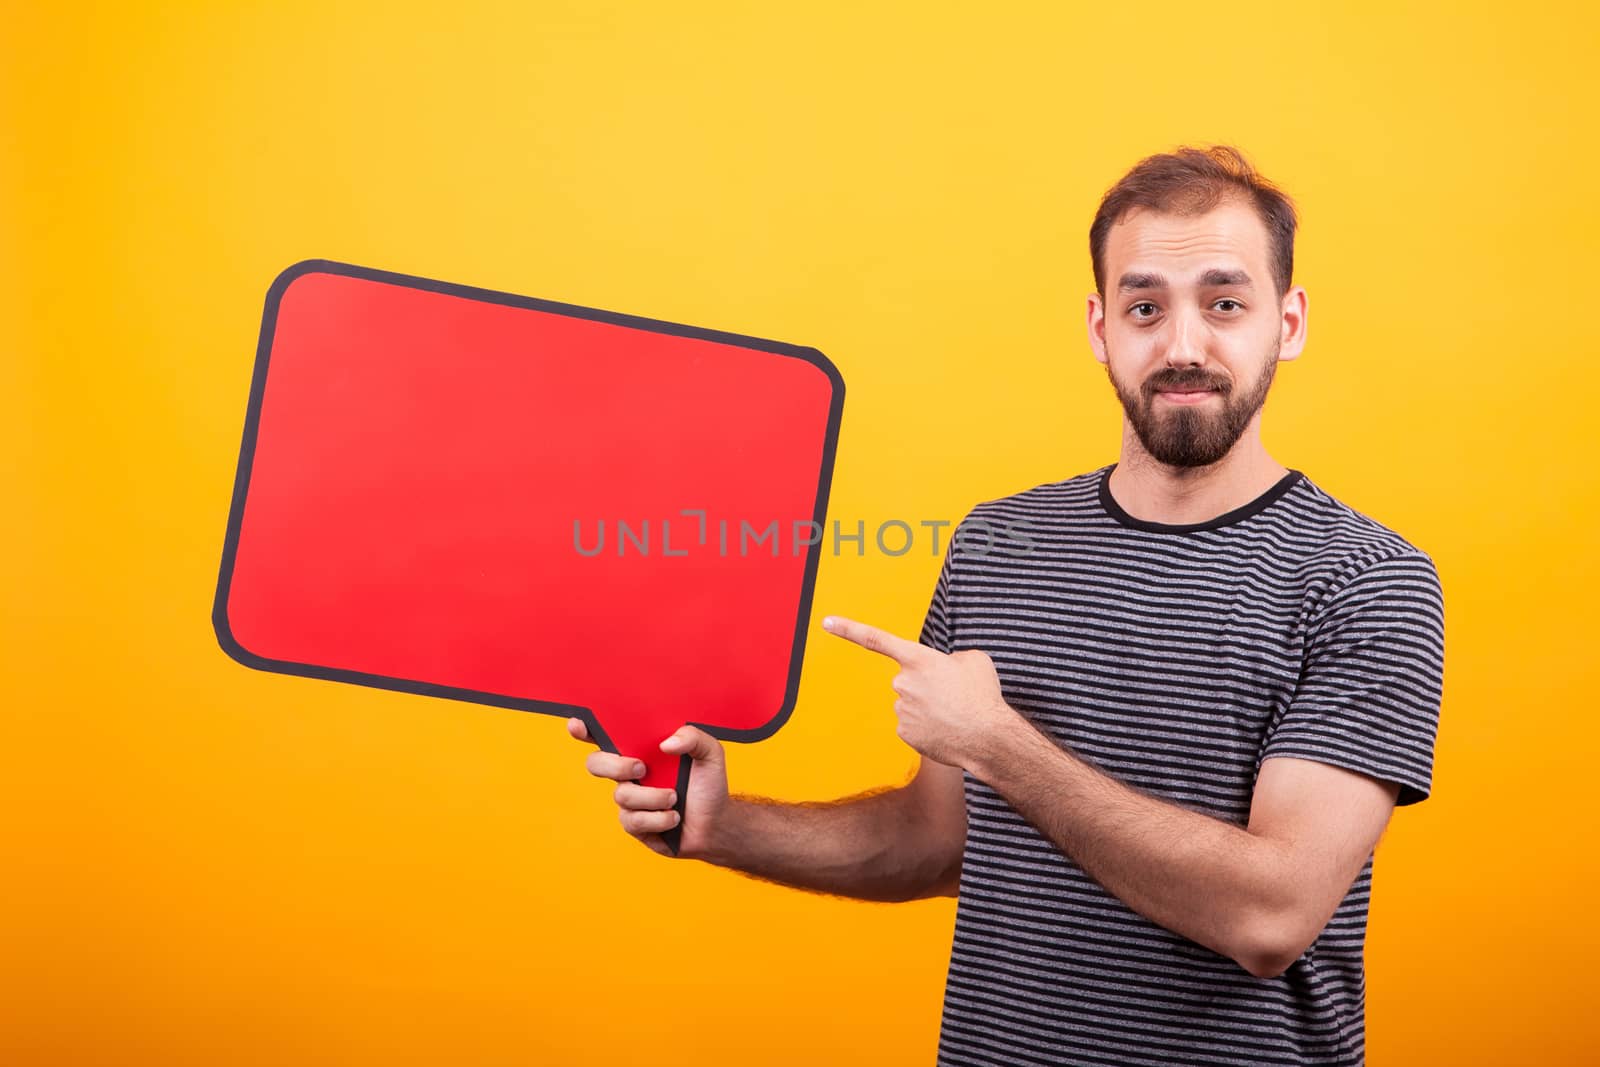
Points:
(1191, 328)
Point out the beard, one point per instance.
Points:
(1192, 435)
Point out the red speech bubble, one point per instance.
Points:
(486, 497)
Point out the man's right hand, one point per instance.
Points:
(645, 812)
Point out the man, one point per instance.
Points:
(1161, 739)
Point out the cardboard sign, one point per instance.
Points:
(485, 497)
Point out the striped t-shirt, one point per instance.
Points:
(1175, 658)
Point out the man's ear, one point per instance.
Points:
(1292, 336)
(1097, 326)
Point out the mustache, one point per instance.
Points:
(1182, 382)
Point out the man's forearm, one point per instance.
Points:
(1212, 881)
(872, 846)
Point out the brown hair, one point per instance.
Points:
(1191, 181)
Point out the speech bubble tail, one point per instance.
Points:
(669, 772)
(661, 770)
(674, 836)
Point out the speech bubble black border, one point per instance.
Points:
(241, 486)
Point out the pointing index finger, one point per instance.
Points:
(873, 639)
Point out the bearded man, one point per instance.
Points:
(1161, 737)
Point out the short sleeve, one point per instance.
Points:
(936, 624)
(1369, 692)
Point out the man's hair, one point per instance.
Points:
(1192, 181)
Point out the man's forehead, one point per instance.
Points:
(1182, 248)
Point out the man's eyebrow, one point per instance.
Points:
(1216, 276)
(1134, 281)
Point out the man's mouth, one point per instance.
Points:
(1186, 396)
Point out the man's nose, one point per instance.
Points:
(1186, 346)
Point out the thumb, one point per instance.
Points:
(695, 743)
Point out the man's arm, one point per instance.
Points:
(894, 844)
(897, 844)
(1258, 894)
(1356, 740)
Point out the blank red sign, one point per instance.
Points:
(492, 498)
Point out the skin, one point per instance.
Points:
(1191, 301)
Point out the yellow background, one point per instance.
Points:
(206, 865)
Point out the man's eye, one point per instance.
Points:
(1142, 310)
(1228, 305)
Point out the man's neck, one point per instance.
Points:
(1155, 492)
